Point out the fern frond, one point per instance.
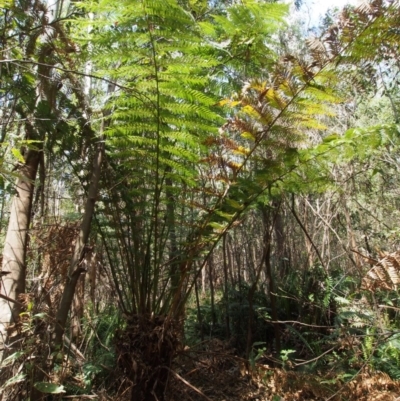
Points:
(384, 275)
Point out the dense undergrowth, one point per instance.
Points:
(335, 343)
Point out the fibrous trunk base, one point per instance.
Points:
(145, 350)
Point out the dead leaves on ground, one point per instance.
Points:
(220, 375)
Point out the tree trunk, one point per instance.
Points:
(280, 235)
(76, 267)
(226, 286)
(211, 273)
(270, 276)
(78, 304)
(15, 245)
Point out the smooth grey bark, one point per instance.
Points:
(15, 245)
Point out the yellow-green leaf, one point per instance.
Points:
(17, 154)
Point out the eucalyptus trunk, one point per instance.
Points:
(15, 245)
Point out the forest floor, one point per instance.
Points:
(216, 374)
(212, 372)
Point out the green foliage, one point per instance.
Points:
(245, 39)
(162, 141)
(214, 319)
(257, 351)
(285, 356)
(368, 336)
(160, 114)
(100, 349)
(20, 377)
(211, 320)
(368, 345)
(388, 356)
(49, 388)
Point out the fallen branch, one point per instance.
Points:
(187, 383)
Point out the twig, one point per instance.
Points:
(388, 307)
(333, 230)
(292, 209)
(154, 390)
(10, 299)
(369, 260)
(187, 383)
(315, 359)
(140, 96)
(74, 348)
(297, 322)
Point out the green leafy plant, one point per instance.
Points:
(49, 388)
(285, 357)
(257, 351)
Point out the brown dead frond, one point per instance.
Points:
(385, 274)
(371, 386)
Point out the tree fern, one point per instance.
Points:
(155, 51)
